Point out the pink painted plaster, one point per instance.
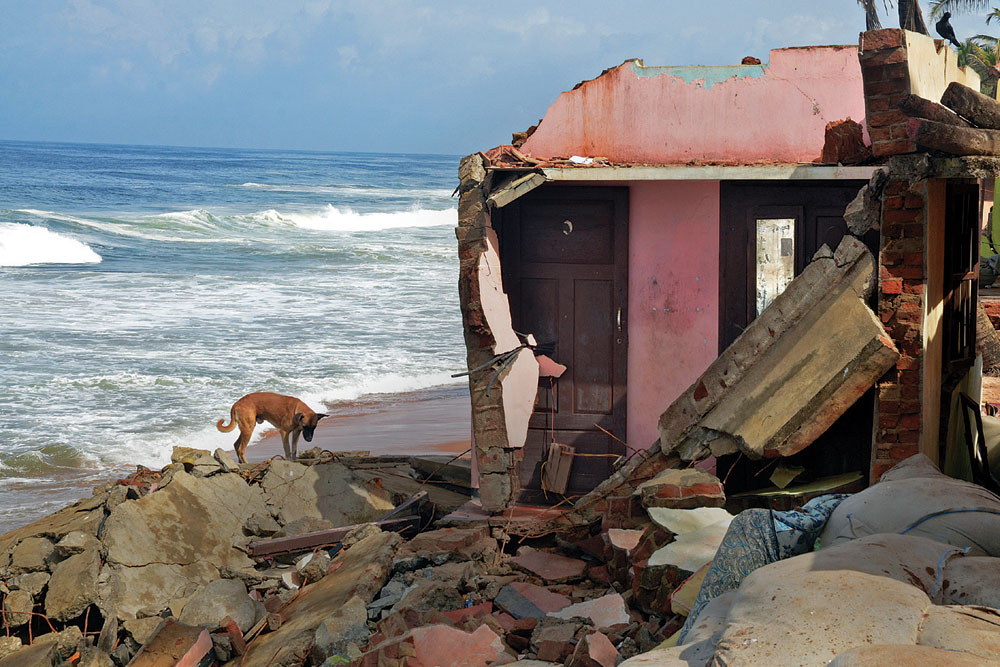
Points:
(673, 296)
(740, 114)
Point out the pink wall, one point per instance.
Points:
(739, 114)
(673, 300)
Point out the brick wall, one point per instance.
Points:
(886, 82)
(902, 287)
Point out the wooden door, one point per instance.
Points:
(564, 252)
(815, 211)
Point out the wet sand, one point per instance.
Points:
(433, 421)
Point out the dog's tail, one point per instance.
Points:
(232, 421)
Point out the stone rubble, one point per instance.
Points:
(159, 575)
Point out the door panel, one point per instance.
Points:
(564, 253)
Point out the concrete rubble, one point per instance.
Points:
(148, 585)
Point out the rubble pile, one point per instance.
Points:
(165, 568)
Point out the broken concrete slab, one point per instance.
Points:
(550, 566)
(17, 606)
(450, 469)
(682, 488)
(31, 555)
(33, 582)
(327, 491)
(692, 549)
(76, 542)
(604, 612)
(555, 641)
(795, 369)
(198, 462)
(174, 539)
(679, 521)
(363, 571)
(84, 515)
(73, 586)
(9, 645)
(35, 654)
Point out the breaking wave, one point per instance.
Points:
(346, 220)
(25, 245)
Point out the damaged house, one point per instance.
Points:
(726, 265)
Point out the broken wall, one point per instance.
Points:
(638, 114)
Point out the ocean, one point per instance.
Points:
(144, 289)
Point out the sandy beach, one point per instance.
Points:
(433, 421)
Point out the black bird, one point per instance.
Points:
(944, 29)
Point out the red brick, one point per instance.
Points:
(882, 57)
(895, 71)
(887, 315)
(896, 187)
(887, 118)
(894, 286)
(913, 259)
(879, 469)
(895, 201)
(909, 436)
(893, 147)
(909, 272)
(891, 258)
(888, 87)
(910, 287)
(878, 40)
(909, 377)
(901, 452)
(872, 74)
(914, 201)
(909, 421)
(879, 134)
(883, 103)
(908, 363)
(888, 421)
(898, 215)
(909, 407)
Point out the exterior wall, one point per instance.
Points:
(896, 63)
(933, 320)
(673, 315)
(902, 288)
(725, 115)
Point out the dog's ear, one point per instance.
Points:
(299, 417)
(320, 415)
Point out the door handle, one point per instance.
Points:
(618, 318)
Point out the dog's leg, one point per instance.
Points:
(295, 444)
(284, 443)
(241, 443)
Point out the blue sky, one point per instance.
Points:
(387, 76)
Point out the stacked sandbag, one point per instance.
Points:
(915, 498)
(907, 573)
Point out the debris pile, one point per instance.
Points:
(965, 123)
(212, 563)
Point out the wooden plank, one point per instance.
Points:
(557, 468)
(306, 541)
(953, 139)
(982, 111)
(918, 107)
(455, 471)
(522, 186)
(409, 506)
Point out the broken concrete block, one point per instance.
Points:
(141, 630)
(35, 654)
(795, 369)
(226, 462)
(177, 538)
(33, 582)
(217, 600)
(682, 488)
(603, 612)
(31, 555)
(197, 462)
(679, 521)
(76, 542)
(313, 566)
(327, 491)
(594, 650)
(175, 644)
(9, 645)
(92, 657)
(525, 600)
(342, 633)
(550, 566)
(73, 586)
(262, 525)
(17, 606)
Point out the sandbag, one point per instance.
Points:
(974, 630)
(972, 581)
(785, 616)
(912, 500)
(910, 656)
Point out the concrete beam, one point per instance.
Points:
(775, 172)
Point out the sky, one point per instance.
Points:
(396, 76)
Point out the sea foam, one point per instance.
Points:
(24, 245)
(346, 220)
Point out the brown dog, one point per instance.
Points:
(286, 413)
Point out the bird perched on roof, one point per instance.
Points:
(944, 29)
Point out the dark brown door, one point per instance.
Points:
(564, 252)
(805, 215)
